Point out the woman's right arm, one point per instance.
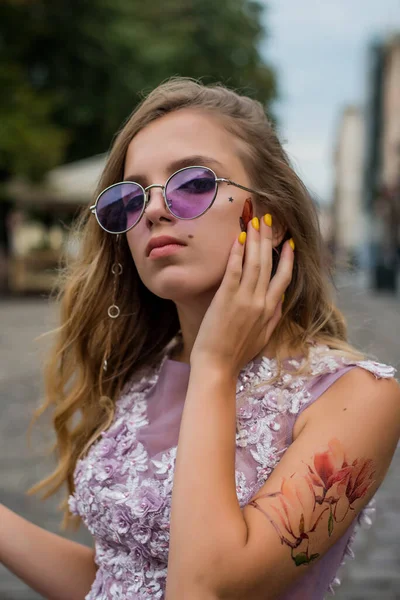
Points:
(57, 568)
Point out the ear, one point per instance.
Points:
(278, 229)
(278, 233)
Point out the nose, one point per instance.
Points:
(155, 204)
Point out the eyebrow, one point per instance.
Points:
(181, 163)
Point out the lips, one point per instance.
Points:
(163, 240)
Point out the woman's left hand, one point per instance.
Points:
(248, 304)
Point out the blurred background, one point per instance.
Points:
(71, 71)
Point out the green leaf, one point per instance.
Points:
(303, 559)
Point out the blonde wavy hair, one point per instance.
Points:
(81, 394)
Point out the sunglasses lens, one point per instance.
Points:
(190, 192)
(120, 207)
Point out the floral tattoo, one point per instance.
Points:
(322, 497)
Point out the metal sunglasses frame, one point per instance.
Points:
(93, 207)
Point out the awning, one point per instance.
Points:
(71, 184)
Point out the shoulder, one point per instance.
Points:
(308, 378)
(362, 391)
(363, 385)
(362, 402)
(333, 377)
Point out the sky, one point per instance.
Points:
(319, 48)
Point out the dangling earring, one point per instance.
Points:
(113, 310)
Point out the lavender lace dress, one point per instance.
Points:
(124, 484)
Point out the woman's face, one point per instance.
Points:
(175, 140)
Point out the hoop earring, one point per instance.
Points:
(113, 310)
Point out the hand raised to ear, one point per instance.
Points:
(248, 304)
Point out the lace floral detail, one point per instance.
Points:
(261, 411)
(124, 496)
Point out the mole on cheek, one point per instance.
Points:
(190, 236)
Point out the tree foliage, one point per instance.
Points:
(71, 71)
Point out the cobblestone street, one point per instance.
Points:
(374, 324)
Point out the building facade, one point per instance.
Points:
(382, 164)
(38, 227)
(349, 228)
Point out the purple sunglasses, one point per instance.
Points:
(188, 194)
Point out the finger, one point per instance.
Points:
(282, 277)
(252, 261)
(273, 322)
(265, 255)
(234, 267)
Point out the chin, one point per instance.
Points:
(180, 288)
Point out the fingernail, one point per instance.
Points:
(283, 298)
(256, 223)
(292, 244)
(242, 237)
(268, 220)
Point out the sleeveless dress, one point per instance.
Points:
(123, 486)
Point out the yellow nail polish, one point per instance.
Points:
(256, 223)
(268, 220)
(292, 244)
(242, 237)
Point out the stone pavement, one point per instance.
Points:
(374, 325)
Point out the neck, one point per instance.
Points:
(190, 318)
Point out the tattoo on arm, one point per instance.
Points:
(319, 499)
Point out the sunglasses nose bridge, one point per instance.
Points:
(150, 187)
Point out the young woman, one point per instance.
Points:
(218, 435)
